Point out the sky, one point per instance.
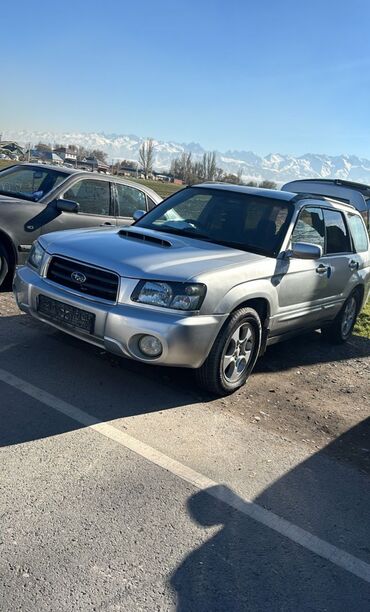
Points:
(289, 76)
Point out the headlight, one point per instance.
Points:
(180, 296)
(36, 255)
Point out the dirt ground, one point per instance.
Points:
(304, 389)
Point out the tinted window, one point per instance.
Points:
(151, 204)
(236, 219)
(32, 183)
(129, 200)
(310, 227)
(337, 238)
(93, 196)
(358, 232)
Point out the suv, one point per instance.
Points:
(206, 280)
(33, 196)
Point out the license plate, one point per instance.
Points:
(66, 314)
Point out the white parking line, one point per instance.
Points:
(324, 549)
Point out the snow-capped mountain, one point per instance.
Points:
(275, 166)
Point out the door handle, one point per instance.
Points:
(106, 223)
(322, 269)
(353, 265)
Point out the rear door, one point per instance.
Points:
(129, 200)
(96, 206)
(341, 261)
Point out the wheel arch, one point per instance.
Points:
(263, 308)
(360, 288)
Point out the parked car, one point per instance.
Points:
(37, 199)
(205, 280)
(356, 194)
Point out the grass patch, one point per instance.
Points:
(363, 323)
(4, 163)
(163, 189)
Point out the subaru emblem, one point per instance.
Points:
(78, 277)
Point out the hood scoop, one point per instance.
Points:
(145, 238)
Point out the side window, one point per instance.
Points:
(129, 200)
(310, 227)
(358, 232)
(337, 237)
(151, 204)
(93, 196)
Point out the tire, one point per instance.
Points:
(341, 328)
(6, 272)
(233, 354)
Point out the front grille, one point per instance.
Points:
(99, 283)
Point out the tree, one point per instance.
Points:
(219, 175)
(42, 146)
(191, 172)
(209, 166)
(268, 185)
(232, 178)
(146, 156)
(99, 154)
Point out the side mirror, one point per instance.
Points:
(66, 206)
(138, 214)
(49, 213)
(304, 250)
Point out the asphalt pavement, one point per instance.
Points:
(123, 488)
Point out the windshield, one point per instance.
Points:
(30, 183)
(239, 220)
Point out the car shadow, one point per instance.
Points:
(311, 349)
(248, 566)
(110, 387)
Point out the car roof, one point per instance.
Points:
(63, 169)
(299, 199)
(254, 191)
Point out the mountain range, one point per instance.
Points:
(275, 166)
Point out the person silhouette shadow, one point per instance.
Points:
(246, 566)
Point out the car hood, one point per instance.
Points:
(13, 200)
(141, 253)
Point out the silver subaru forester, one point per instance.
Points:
(205, 280)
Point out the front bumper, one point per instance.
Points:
(186, 339)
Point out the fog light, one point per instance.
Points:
(150, 346)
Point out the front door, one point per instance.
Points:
(95, 206)
(302, 283)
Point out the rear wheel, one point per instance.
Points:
(6, 271)
(341, 328)
(233, 354)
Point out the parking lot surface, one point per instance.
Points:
(123, 487)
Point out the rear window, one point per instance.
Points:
(337, 237)
(358, 233)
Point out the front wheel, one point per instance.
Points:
(233, 354)
(341, 328)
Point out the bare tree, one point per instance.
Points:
(99, 154)
(42, 146)
(268, 185)
(146, 156)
